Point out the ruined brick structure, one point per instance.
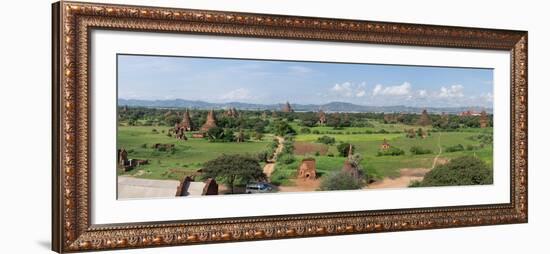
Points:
(210, 187)
(385, 145)
(232, 112)
(186, 123)
(350, 168)
(122, 156)
(287, 108)
(322, 117)
(210, 123)
(424, 119)
(128, 164)
(483, 121)
(350, 165)
(183, 186)
(240, 136)
(307, 170)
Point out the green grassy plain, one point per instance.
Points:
(187, 157)
(190, 155)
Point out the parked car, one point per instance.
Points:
(258, 188)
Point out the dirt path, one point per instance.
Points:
(270, 165)
(301, 186)
(440, 151)
(407, 175)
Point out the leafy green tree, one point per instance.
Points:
(419, 150)
(309, 120)
(233, 169)
(215, 134)
(172, 120)
(282, 128)
(343, 149)
(228, 135)
(334, 120)
(326, 140)
(465, 170)
(392, 151)
(455, 148)
(340, 180)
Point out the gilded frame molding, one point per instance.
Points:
(71, 226)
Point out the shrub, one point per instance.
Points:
(382, 131)
(340, 180)
(455, 148)
(465, 170)
(392, 151)
(315, 132)
(417, 150)
(286, 158)
(288, 147)
(305, 130)
(326, 140)
(258, 135)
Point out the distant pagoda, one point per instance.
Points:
(483, 121)
(424, 119)
(322, 117)
(186, 124)
(287, 108)
(210, 123)
(232, 112)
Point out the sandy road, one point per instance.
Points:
(440, 151)
(270, 165)
(407, 175)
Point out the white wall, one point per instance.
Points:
(25, 128)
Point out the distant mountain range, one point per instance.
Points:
(329, 107)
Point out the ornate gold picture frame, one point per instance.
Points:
(72, 229)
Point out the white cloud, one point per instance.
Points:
(299, 69)
(403, 89)
(237, 94)
(348, 89)
(451, 92)
(422, 93)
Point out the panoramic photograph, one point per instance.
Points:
(197, 126)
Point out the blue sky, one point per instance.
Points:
(270, 82)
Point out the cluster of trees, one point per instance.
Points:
(233, 170)
(455, 148)
(281, 128)
(417, 150)
(217, 134)
(344, 149)
(412, 133)
(466, 170)
(287, 154)
(326, 140)
(392, 151)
